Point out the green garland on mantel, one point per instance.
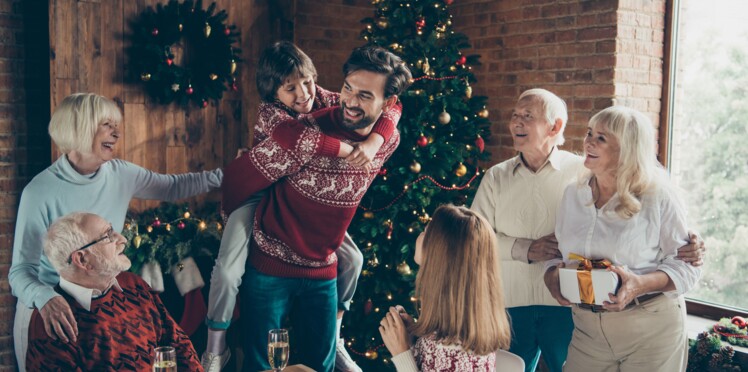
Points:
(170, 233)
(183, 54)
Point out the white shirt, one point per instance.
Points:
(83, 295)
(645, 243)
(521, 206)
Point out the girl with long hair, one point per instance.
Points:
(462, 324)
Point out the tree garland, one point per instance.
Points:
(183, 53)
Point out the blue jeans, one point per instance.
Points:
(545, 329)
(267, 299)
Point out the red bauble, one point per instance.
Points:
(189, 90)
(739, 321)
(462, 60)
(169, 61)
(154, 32)
(181, 225)
(480, 144)
(156, 223)
(368, 306)
(421, 23)
(449, 2)
(205, 103)
(227, 31)
(234, 87)
(422, 141)
(382, 172)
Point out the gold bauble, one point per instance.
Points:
(483, 113)
(426, 67)
(461, 170)
(149, 229)
(415, 167)
(453, 68)
(145, 76)
(136, 241)
(394, 46)
(186, 214)
(207, 29)
(371, 355)
(180, 27)
(374, 261)
(444, 118)
(368, 215)
(232, 66)
(404, 269)
(365, 272)
(425, 218)
(213, 76)
(382, 22)
(468, 91)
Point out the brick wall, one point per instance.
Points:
(327, 30)
(591, 53)
(639, 74)
(24, 144)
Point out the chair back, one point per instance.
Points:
(508, 362)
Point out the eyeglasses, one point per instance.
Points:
(108, 236)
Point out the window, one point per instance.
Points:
(708, 139)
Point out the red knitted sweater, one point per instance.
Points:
(120, 333)
(302, 221)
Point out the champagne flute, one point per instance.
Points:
(278, 349)
(166, 359)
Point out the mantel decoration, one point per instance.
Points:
(183, 54)
(165, 239)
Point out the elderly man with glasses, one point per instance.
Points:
(120, 321)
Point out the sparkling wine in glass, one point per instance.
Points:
(278, 349)
(166, 359)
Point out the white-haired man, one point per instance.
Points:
(520, 197)
(120, 321)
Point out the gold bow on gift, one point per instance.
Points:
(584, 275)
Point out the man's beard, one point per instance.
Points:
(112, 267)
(364, 122)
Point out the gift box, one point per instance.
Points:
(587, 281)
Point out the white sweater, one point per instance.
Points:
(521, 206)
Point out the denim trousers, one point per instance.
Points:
(266, 301)
(541, 329)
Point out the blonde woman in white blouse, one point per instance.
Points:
(625, 210)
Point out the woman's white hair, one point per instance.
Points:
(75, 121)
(64, 236)
(553, 108)
(638, 169)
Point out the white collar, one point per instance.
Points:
(84, 295)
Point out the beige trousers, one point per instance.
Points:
(649, 337)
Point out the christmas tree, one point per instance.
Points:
(442, 140)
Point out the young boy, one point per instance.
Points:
(286, 83)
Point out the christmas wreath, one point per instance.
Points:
(183, 53)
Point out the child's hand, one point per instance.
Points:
(364, 152)
(241, 152)
(394, 333)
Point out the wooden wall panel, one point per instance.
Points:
(88, 43)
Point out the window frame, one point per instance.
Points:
(693, 306)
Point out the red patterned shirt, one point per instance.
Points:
(302, 221)
(119, 333)
(429, 355)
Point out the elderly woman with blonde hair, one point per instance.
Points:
(462, 324)
(87, 177)
(625, 210)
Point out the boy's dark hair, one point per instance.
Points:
(381, 61)
(278, 62)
